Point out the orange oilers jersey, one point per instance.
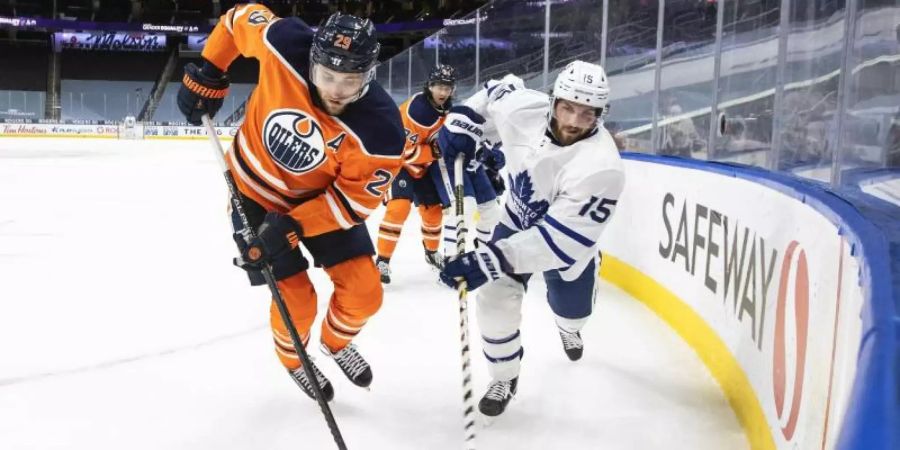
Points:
(327, 172)
(421, 122)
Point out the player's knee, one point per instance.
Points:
(431, 215)
(499, 299)
(368, 281)
(298, 293)
(366, 285)
(371, 291)
(397, 210)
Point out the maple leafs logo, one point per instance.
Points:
(526, 211)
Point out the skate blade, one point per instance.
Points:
(487, 421)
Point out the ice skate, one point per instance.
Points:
(352, 364)
(498, 395)
(299, 377)
(384, 268)
(433, 259)
(572, 344)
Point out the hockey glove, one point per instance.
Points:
(496, 181)
(476, 268)
(433, 145)
(462, 133)
(274, 244)
(491, 155)
(202, 91)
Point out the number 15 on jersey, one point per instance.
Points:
(598, 211)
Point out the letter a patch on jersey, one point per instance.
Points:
(294, 140)
(335, 144)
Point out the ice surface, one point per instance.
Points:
(124, 325)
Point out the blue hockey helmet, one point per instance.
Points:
(346, 43)
(442, 74)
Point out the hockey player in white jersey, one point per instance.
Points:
(565, 177)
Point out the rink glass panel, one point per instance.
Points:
(17, 105)
(400, 86)
(871, 130)
(686, 79)
(382, 74)
(746, 94)
(575, 33)
(630, 66)
(512, 41)
(102, 99)
(457, 48)
(423, 60)
(807, 120)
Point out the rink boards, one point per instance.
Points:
(106, 131)
(769, 279)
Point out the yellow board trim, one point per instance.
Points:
(703, 339)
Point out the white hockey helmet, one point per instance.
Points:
(583, 83)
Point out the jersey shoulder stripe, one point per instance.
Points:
(291, 39)
(420, 111)
(375, 121)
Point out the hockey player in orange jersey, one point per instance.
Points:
(423, 114)
(320, 145)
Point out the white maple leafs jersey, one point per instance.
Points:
(560, 198)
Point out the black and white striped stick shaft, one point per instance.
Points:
(238, 206)
(468, 398)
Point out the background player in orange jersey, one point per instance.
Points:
(423, 114)
(320, 144)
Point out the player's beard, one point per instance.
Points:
(334, 108)
(568, 135)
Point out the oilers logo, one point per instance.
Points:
(294, 139)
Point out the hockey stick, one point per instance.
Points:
(238, 206)
(459, 201)
(448, 188)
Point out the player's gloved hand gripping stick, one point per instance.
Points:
(203, 90)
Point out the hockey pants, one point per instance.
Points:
(498, 309)
(357, 297)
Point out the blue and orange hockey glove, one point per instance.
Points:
(276, 243)
(203, 90)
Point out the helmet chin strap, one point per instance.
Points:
(551, 116)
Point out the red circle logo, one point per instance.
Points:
(794, 268)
